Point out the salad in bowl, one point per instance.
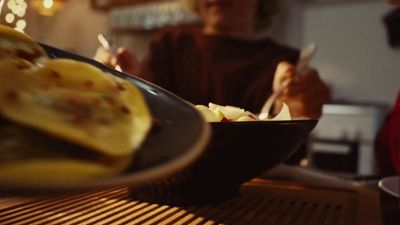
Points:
(218, 113)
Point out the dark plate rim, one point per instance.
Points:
(131, 179)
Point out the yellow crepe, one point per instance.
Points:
(17, 44)
(77, 102)
(53, 171)
(31, 156)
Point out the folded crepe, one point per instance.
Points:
(19, 45)
(70, 121)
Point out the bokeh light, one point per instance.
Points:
(10, 18)
(21, 24)
(48, 3)
(47, 7)
(16, 13)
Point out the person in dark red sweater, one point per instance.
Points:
(387, 142)
(228, 62)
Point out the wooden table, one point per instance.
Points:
(260, 202)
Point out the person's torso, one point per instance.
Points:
(224, 70)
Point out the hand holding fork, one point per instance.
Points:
(299, 87)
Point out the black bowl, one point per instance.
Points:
(238, 152)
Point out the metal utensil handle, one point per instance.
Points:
(305, 57)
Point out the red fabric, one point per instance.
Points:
(387, 143)
(202, 68)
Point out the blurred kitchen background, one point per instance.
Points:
(354, 56)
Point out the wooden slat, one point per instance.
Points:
(258, 203)
(36, 209)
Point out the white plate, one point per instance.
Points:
(390, 185)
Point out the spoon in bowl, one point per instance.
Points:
(305, 57)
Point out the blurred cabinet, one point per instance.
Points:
(146, 15)
(343, 140)
(108, 4)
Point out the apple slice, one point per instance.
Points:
(217, 113)
(208, 115)
(246, 118)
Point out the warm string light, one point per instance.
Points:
(16, 12)
(48, 4)
(47, 7)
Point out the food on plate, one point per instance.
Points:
(30, 156)
(19, 45)
(218, 113)
(65, 120)
(75, 101)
